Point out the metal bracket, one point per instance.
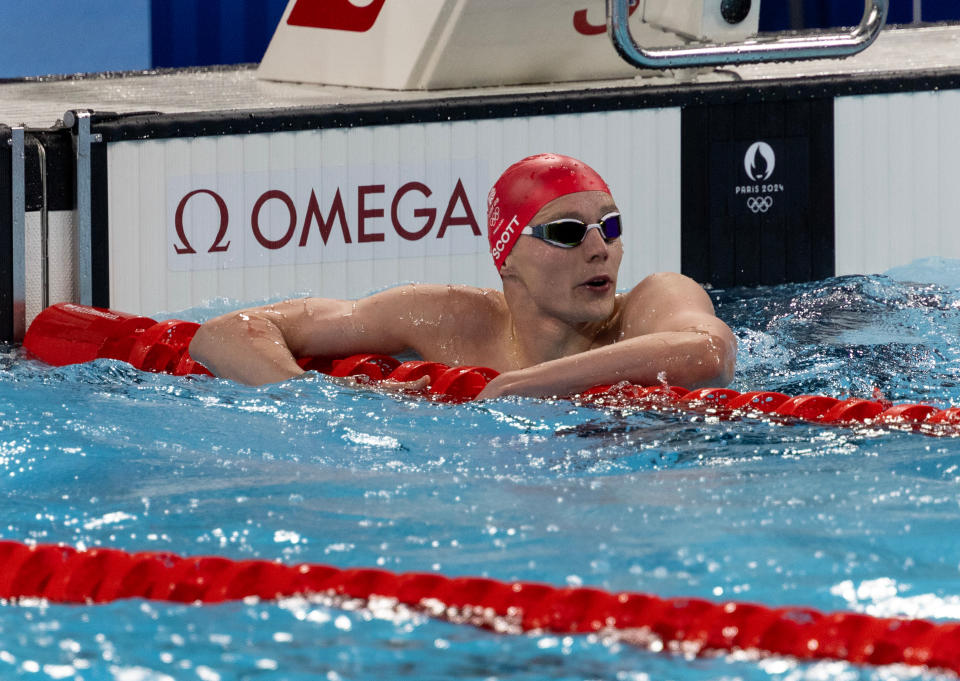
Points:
(780, 47)
(84, 204)
(19, 177)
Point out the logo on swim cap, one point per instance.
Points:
(493, 211)
(525, 188)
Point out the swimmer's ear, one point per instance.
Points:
(506, 270)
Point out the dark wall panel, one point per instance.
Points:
(99, 233)
(757, 192)
(778, 15)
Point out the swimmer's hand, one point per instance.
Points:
(417, 386)
(387, 385)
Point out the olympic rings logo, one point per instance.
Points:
(760, 204)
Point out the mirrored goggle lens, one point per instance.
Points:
(611, 227)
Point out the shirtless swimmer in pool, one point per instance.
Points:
(558, 327)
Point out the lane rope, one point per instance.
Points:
(62, 574)
(67, 333)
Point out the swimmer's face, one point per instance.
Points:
(574, 284)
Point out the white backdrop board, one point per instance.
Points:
(897, 170)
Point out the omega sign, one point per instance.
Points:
(224, 225)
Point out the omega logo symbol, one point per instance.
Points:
(759, 161)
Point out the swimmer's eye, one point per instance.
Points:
(569, 232)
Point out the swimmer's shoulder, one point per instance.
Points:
(466, 304)
(452, 324)
(659, 295)
(662, 283)
(450, 294)
(473, 306)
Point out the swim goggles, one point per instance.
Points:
(570, 233)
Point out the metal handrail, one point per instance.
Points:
(44, 227)
(807, 45)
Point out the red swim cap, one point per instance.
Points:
(525, 188)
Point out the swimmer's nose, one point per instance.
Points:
(594, 246)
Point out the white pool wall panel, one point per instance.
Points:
(897, 169)
(62, 258)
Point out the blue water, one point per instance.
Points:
(828, 517)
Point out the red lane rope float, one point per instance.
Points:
(62, 574)
(66, 333)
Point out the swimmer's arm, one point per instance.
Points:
(676, 310)
(685, 345)
(260, 345)
(685, 358)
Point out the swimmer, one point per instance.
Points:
(558, 327)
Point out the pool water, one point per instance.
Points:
(669, 503)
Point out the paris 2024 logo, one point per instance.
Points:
(759, 163)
